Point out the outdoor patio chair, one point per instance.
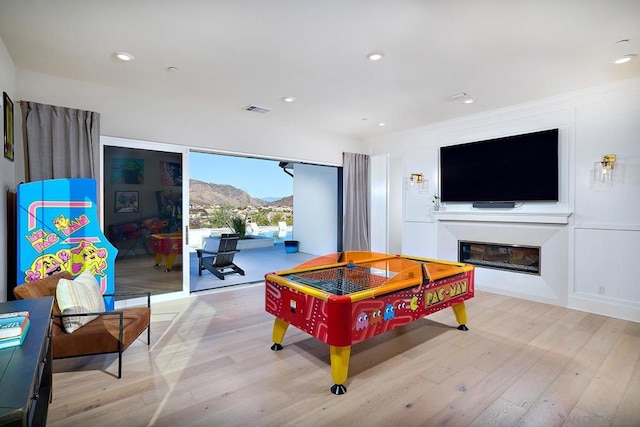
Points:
(282, 228)
(220, 262)
(254, 228)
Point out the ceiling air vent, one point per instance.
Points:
(256, 109)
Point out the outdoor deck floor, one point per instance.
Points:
(255, 262)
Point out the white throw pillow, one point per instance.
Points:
(80, 295)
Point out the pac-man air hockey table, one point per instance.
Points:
(348, 297)
(167, 245)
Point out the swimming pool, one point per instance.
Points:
(276, 235)
(265, 231)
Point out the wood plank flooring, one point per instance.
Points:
(137, 273)
(521, 363)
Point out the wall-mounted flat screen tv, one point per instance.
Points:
(515, 168)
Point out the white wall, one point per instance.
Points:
(379, 208)
(595, 235)
(315, 207)
(606, 231)
(7, 168)
(385, 181)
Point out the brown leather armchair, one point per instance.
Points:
(110, 332)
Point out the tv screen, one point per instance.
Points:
(511, 169)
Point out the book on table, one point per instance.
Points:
(13, 324)
(15, 341)
(14, 314)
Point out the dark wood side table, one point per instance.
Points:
(25, 371)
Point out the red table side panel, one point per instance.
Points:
(165, 244)
(339, 322)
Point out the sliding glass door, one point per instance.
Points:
(142, 207)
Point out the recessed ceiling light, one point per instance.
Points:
(288, 99)
(123, 56)
(462, 98)
(381, 124)
(376, 55)
(624, 59)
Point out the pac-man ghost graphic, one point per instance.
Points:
(388, 312)
(362, 321)
(376, 317)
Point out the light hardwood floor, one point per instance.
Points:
(209, 364)
(137, 273)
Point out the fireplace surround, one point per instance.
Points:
(530, 230)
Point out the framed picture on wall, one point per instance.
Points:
(8, 126)
(126, 202)
(170, 173)
(127, 171)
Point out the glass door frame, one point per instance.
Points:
(108, 141)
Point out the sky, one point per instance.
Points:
(260, 178)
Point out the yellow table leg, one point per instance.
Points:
(460, 312)
(339, 367)
(171, 258)
(279, 329)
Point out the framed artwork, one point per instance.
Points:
(8, 126)
(170, 208)
(170, 173)
(126, 202)
(166, 203)
(127, 171)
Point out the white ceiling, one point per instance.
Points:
(233, 53)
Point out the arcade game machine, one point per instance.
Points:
(58, 230)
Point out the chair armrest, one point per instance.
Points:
(136, 293)
(200, 252)
(119, 294)
(97, 313)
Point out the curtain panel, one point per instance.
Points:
(356, 202)
(60, 142)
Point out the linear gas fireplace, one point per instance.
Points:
(518, 258)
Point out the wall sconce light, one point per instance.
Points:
(417, 182)
(416, 178)
(603, 170)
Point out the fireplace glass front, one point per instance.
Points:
(518, 258)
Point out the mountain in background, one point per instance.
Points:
(208, 194)
(285, 201)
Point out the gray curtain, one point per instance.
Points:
(60, 142)
(356, 202)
